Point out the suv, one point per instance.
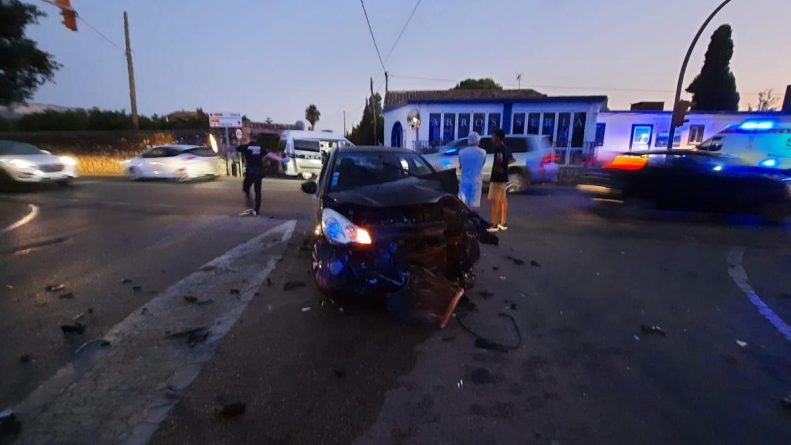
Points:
(535, 159)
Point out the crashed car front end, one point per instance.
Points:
(382, 244)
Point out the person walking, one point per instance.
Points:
(499, 181)
(254, 156)
(471, 160)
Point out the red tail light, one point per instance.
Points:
(550, 158)
(629, 163)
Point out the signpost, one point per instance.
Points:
(226, 121)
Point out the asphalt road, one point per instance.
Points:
(584, 371)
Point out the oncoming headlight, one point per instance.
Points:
(65, 160)
(339, 230)
(19, 163)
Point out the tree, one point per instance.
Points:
(23, 67)
(485, 83)
(363, 133)
(268, 121)
(312, 115)
(767, 101)
(714, 89)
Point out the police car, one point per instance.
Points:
(764, 143)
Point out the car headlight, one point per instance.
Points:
(19, 163)
(65, 160)
(339, 230)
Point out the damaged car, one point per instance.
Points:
(385, 215)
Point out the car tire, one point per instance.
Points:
(518, 180)
(134, 173)
(182, 175)
(66, 182)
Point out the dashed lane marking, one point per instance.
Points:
(122, 391)
(739, 276)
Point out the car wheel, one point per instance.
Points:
(134, 173)
(66, 182)
(182, 175)
(518, 180)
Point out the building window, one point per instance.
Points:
(695, 134)
(564, 125)
(494, 122)
(478, 123)
(600, 134)
(449, 127)
(464, 125)
(641, 137)
(533, 123)
(519, 123)
(578, 131)
(549, 126)
(433, 127)
(661, 139)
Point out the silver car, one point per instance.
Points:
(535, 159)
(22, 162)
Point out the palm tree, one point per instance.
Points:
(312, 115)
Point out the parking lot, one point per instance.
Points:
(669, 327)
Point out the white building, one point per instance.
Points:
(580, 127)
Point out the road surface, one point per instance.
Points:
(584, 371)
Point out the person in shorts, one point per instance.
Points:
(498, 182)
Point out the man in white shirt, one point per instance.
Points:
(471, 160)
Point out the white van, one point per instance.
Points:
(304, 150)
(765, 143)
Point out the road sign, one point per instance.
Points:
(239, 133)
(225, 120)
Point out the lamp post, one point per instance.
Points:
(676, 109)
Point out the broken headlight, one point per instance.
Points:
(340, 230)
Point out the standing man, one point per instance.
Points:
(254, 173)
(499, 181)
(471, 160)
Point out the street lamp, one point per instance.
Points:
(681, 109)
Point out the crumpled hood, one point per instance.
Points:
(404, 192)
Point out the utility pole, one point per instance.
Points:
(676, 119)
(387, 82)
(372, 103)
(131, 70)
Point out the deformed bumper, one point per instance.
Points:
(353, 270)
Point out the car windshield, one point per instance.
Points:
(352, 170)
(19, 148)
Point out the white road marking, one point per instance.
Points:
(25, 219)
(122, 392)
(739, 276)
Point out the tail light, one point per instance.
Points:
(629, 163)
(549, 158)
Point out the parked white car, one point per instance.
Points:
(535, 159)
(21, 162)
(181, 162)
(306, 149)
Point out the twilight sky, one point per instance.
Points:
(270, 58)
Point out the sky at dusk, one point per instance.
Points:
(273, 58)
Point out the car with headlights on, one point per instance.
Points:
(381, 211)
(180, 162)
(25, 163)
(691, 180)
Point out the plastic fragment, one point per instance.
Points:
(73, 328)
(741, 344)
(55, 287)
(653, 329)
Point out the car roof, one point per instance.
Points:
(181, 147)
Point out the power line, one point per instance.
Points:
(378, 54)
(110, 41)
(400, 34)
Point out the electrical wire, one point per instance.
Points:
(378, 54)
(398, 39)
(110, 41)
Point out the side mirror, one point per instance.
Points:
(309, 187)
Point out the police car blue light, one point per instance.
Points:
(771, 163)
(757, 125)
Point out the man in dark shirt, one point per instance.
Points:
(254, 156)
(498, 182)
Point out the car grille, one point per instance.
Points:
(51, 168)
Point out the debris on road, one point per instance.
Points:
(190, 298)
(741, 344)
(73, 328)
(66, 296)
(268, 281)
(503, 278)
(137, 288)
(427, 298)
(193, 336)
(516, 261)
(485, 294)
(171, 392)
(306, 309)
(8, 422)
(205, 302)
(484, 343)
(230, 409)
(291, 285)
(55, 287)
(535, 263)
(653, 329)
(25, 358)
(234, 292)
(126, 281)
(100, 341)
(513, 306)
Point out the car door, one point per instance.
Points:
(147, 161)
(168, 163)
